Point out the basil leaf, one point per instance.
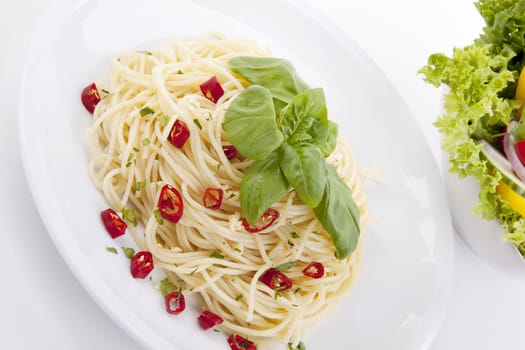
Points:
(262, 184)
(324, 137)
(304, 167)
(305, 119)
(276, 74)
(250, 123)
(339, 214)
(301, 112)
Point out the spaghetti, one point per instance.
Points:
(208, 252)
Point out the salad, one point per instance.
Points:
(483, 126)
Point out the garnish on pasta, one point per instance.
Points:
(233, 181)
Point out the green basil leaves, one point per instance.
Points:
(252, 114)
(283, 125)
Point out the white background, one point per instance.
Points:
(43, 306)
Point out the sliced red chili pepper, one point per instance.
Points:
(230, 151)
(238, 343)
(113, 223)
(520, 150)
(212, 89)
(276, 280)
(90, 97)
(179, 133)
(212, 198)
(170, 204)
(208, 319)
(175, 303)
(141, 264)
(314, 269)
(268, 218)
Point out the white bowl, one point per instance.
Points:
(484, 237)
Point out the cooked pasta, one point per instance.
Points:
(208, 253)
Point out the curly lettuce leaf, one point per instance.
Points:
(475, 107)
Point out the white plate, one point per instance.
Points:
(404, 285)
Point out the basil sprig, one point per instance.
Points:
(282, 124)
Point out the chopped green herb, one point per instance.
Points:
(128, 164)
(195, 270)
(180, 72)
(136, 149)
(166, 287)
(112, 250)
(294, 234)
(216, 330)
(145, 142)
(128, 252)
(232, 279)
(146, 111)
(216, 255)
(297, 290)
(163, 120)
(129, 215)
(237, 250)
(198, 123)
(145, 52)
(158, 217)
(233, 194)
(238, 297)
(286, 266)
(291, 244)
(277, 294)
(299, 346)
(139, 185)
(219, 166)
(295, 305)
(131, 156)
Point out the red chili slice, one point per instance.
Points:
(268, 218)
(179, 133)
(314, 269)
(141, 264)
(90, 97)
(212, 89)
(175, 303)
(208, 319)
(276, 280)
(239, 343)
(212, 198)
(114, 224)
(170, 204)
(230, 151)
(520, 150)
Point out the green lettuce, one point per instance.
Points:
(481, 81)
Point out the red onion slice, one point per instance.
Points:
(510, 152)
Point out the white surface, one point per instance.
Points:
(408, 255)
(44, 307)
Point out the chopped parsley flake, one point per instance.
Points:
(180, 72)
(146, 111)
(163, 120)
(112, 250)
(145, 142)
(139, 185)
(237, 250)
(294, 234)
(128, 252)
(238, 297)
(286, 266)
(198, 123)
(233, 194)
(129, 215)
(158, 217)
(166, 287)
(145, 52)
(216, 255)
